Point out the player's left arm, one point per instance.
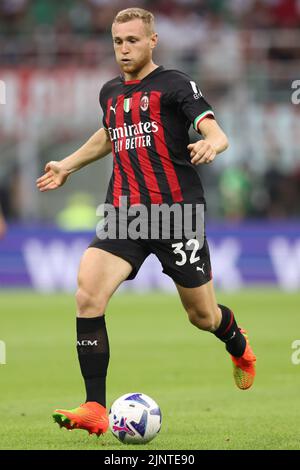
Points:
(214, 141)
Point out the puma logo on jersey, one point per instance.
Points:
(113, 109)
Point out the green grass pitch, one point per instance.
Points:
(155, 350)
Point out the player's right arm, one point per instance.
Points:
(57, 172)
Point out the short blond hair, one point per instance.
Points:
(130, 14)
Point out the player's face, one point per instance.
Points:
(133, 45)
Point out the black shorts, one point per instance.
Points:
(184, 260)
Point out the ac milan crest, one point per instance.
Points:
(144, 104)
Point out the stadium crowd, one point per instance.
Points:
(19, 16)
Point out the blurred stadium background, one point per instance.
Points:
(245, 56)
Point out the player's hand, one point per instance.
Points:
(54, 177)
(201, 152)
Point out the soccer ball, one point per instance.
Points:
(135, 418)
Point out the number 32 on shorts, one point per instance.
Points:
(193, 244)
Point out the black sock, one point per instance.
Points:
(93, 355)
(229, 333)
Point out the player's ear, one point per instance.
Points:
(154, 40)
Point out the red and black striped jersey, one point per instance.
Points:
(148, 122)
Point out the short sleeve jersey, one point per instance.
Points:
(148, 122)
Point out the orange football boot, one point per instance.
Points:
(244, 366)
(90, 416)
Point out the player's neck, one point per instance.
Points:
(141, 73)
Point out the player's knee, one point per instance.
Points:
(90, 305)
(202, 319)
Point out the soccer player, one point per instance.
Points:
(147, 112)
